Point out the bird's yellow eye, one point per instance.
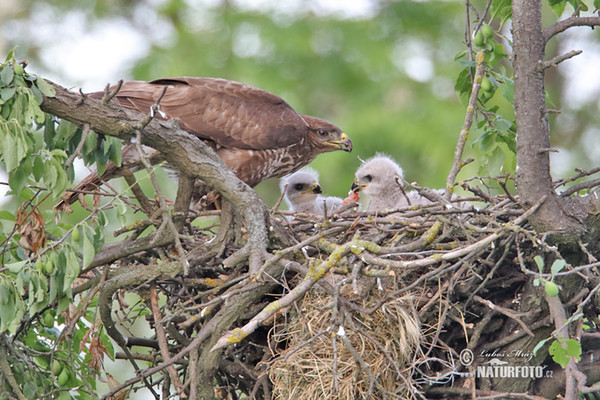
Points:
(322, 132)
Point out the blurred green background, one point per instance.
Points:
(384, 71)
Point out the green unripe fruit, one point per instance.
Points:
(486, 85)
(551, 289)
(18, 69)
(479, 40)
(39, 265)
(63, 378)
(75, 235)
(48, 267)
(487, 31)
(57, 367)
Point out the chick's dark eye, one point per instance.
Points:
(322, 132)
(298, 186)
(369, 178)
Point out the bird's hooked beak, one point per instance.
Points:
(314, 188)
(344, 143)
(356, 187)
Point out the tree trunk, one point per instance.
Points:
(533, 132)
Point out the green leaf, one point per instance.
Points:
(17, 179)
(508, 90)
(8, 154)
(16, 267)
(501, 9)
(71, 270)
(6, 215)
(88, 249)
(115, 149)
(540, 263)
(49, 131)
(46, 89)
(578, 5)
(596, 5)
(573, 349)
(39, 168)
(563, 349)
(7, 93)
(557, 266)
(10, 57)
(558, 6)
(486, 141)
(7, 74)
(37, 94)
(558, 353)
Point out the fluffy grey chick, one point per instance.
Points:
(381, 178)
(303, 193)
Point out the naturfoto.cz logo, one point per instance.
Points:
(496, 368)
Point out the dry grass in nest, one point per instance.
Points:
(385, 342)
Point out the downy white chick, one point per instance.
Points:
(381, 178)
(303, 193)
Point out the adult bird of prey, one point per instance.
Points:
(382, 179)
(256, 133)
(302, 193)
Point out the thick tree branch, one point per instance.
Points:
(183, 151)
(565, 24)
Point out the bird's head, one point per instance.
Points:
(326, 136)
(301, 187)
(377, 175)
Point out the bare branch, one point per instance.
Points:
(570, 22)
(464, 132)
(558, 59)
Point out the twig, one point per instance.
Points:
(108, 95)
(8, 375)
(464, 133)
(167, 220)
(137, 191)
(554, 61)
(316, 272)
(162, 340)
(77, 152)
(502, 310)
(580, 186)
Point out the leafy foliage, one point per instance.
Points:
(41, 261)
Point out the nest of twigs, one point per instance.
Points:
(317, 363)
(365, 305)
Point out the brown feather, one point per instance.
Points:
(229, 113)
(256, 133)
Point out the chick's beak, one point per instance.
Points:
(314, 188)
(356, 187)
(344, 143)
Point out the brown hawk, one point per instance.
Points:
(256, 133)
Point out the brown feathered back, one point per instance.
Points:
(256, 133)
(229, 113)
